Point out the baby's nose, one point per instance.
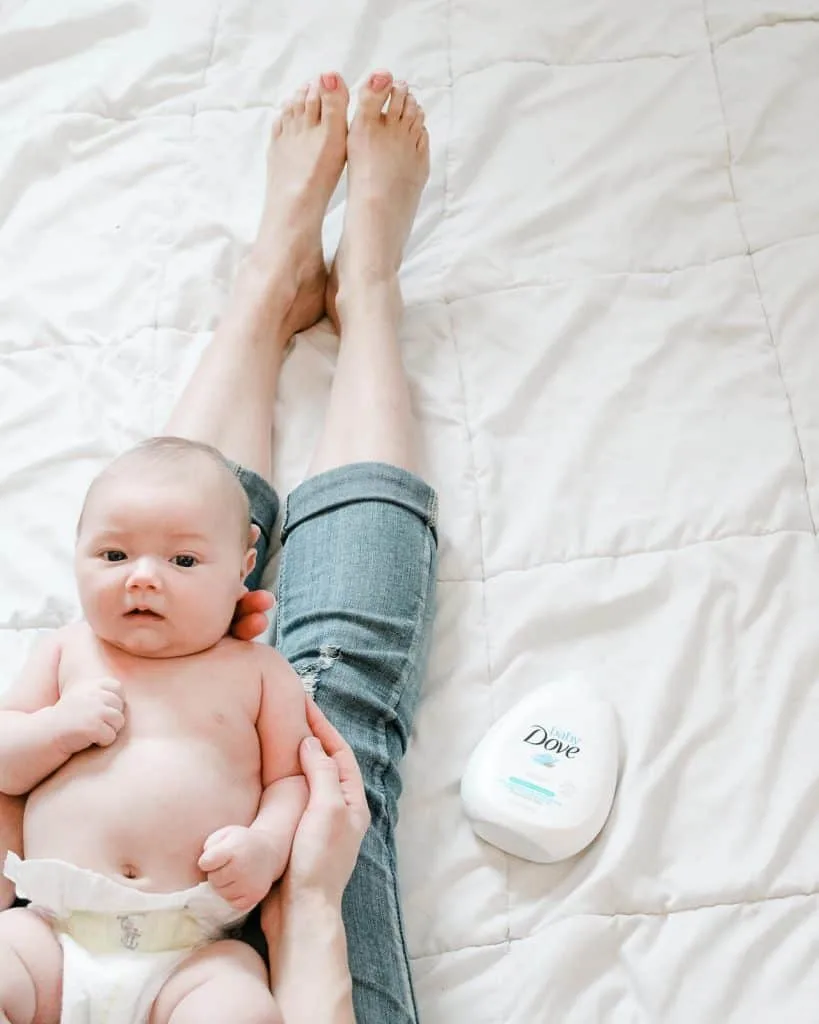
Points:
(143, 575)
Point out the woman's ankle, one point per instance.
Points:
(367, 302)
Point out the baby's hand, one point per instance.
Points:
(241, 864)
(91, 712)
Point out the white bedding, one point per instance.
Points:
(612, 340)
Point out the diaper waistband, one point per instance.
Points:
(108, 913)
(157, 931)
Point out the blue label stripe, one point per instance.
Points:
(530, 785)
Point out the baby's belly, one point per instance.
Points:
(141, 813)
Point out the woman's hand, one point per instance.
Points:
(328, 838)
(301, 917)
(250, 620)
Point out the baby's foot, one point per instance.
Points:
(387, 167)
(305, 160)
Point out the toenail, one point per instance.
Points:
(330, 82)
(379, 82)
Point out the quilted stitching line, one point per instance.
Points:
(720, 905)
(155, 326)
(34, 622)
(741, 225)
(9, 346)
(637, 553)
(217, 14)
(782, 19)
(620, 915)
(450, 4)
(769, 23)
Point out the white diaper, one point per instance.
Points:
(120, 945)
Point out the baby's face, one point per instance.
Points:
(160, 564)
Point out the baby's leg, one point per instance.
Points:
(11, 838)
(226, 981)
(31, 967)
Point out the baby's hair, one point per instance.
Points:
(168, 450)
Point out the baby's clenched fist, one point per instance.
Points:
(242, 863)
(90, 713)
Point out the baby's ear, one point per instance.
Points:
(249, 562)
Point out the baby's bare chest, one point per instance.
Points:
(211, 696)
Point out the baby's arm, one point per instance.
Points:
(282, 725)
(40, 731)
(243, 863)
(30, 746)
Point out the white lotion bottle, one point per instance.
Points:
(541, 783)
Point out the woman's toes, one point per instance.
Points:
(410, 110)
(312, 104)
(398, 97)
(373, 94)
(299, 100)
(422, 145)
(417, 125)
(334, 97)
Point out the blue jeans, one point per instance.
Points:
(355, 605)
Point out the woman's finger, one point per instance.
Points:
(322, 774)
(250, 618)
(341, 752)
(248, 627)
(256, 601)
(322, 727)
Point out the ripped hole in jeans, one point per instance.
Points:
(311, 672)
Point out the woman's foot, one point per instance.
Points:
(305, 160)
(387, 167)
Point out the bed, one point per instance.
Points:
(612, 339)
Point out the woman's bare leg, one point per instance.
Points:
(280, 289)
(358, 565)
(369, 418)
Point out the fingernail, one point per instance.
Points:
(312, 744)
(330, 82)
(379, 82)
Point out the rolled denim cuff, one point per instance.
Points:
(360, 481)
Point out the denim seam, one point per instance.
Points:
(239, 472)
(432, 514)
(378, 781)
(280, 597)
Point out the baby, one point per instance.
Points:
(159, 755)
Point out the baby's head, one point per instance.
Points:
(164, 543)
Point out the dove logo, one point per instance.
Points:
(557, 741)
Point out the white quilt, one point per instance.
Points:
(612, 336)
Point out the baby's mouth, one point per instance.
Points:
(144, 613)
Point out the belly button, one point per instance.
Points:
(129, 871)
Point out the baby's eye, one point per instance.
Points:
(113, 556)
(184, 561)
